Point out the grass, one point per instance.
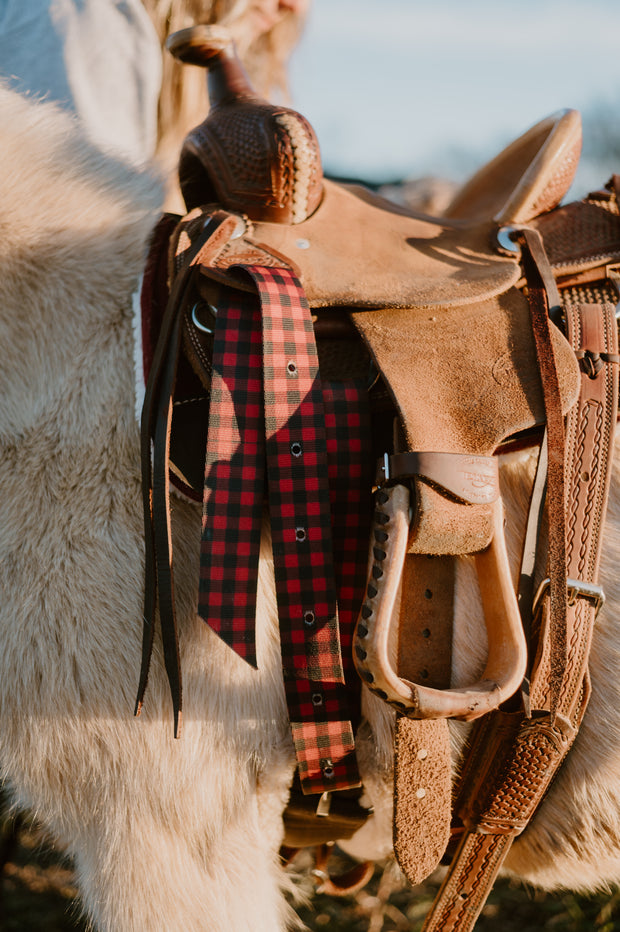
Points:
(38, 895)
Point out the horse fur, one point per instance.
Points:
(175, 835)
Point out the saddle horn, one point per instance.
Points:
(248, 155)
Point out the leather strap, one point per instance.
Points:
(422, 795)
(544, 301)
(513, 758)
(155, 446)
(422, 761)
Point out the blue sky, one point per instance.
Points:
(405, 88)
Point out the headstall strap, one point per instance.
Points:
(513, 758)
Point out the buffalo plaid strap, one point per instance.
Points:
(279, 420)
(350, 463)
(234, 477)
(298, 488)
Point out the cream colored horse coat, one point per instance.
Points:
(171, 836)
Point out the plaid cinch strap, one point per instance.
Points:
(278, 421)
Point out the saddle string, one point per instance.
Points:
(529, 553)
(544, 301)
(155, 448)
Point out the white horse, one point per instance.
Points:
(174, 836)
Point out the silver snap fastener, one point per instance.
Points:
(309, 619)
(296, 449)
(291, 368)
(300, 534)
(317, 699)
(328, 769)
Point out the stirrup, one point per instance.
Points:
(507, 651)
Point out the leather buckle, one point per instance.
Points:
(575, 589)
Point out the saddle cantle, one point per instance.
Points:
(452, 316)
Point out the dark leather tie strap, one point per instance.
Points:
(544, 301)
(155, 440)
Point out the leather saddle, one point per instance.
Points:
(434, 313)
(436, 304)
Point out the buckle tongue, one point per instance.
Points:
(575, 589)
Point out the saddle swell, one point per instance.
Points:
(453, 324)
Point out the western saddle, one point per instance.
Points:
(489, 328)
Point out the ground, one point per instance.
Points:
(38, 895)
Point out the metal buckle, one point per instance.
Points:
(324, 805)
(576, 589)
(386, 469)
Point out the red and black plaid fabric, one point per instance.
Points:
(234, 478)
(294, 448)
(350, 461)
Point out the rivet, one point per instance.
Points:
(424, 674)
(421, 793)
(302, 244)
(291, 368)
(309, 619)
(428, 594)
(426, 633)
(585, 476)
(296, 449)
(300, 534)
(317, 699)
(422, 754)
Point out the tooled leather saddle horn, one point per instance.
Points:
(249, 155)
